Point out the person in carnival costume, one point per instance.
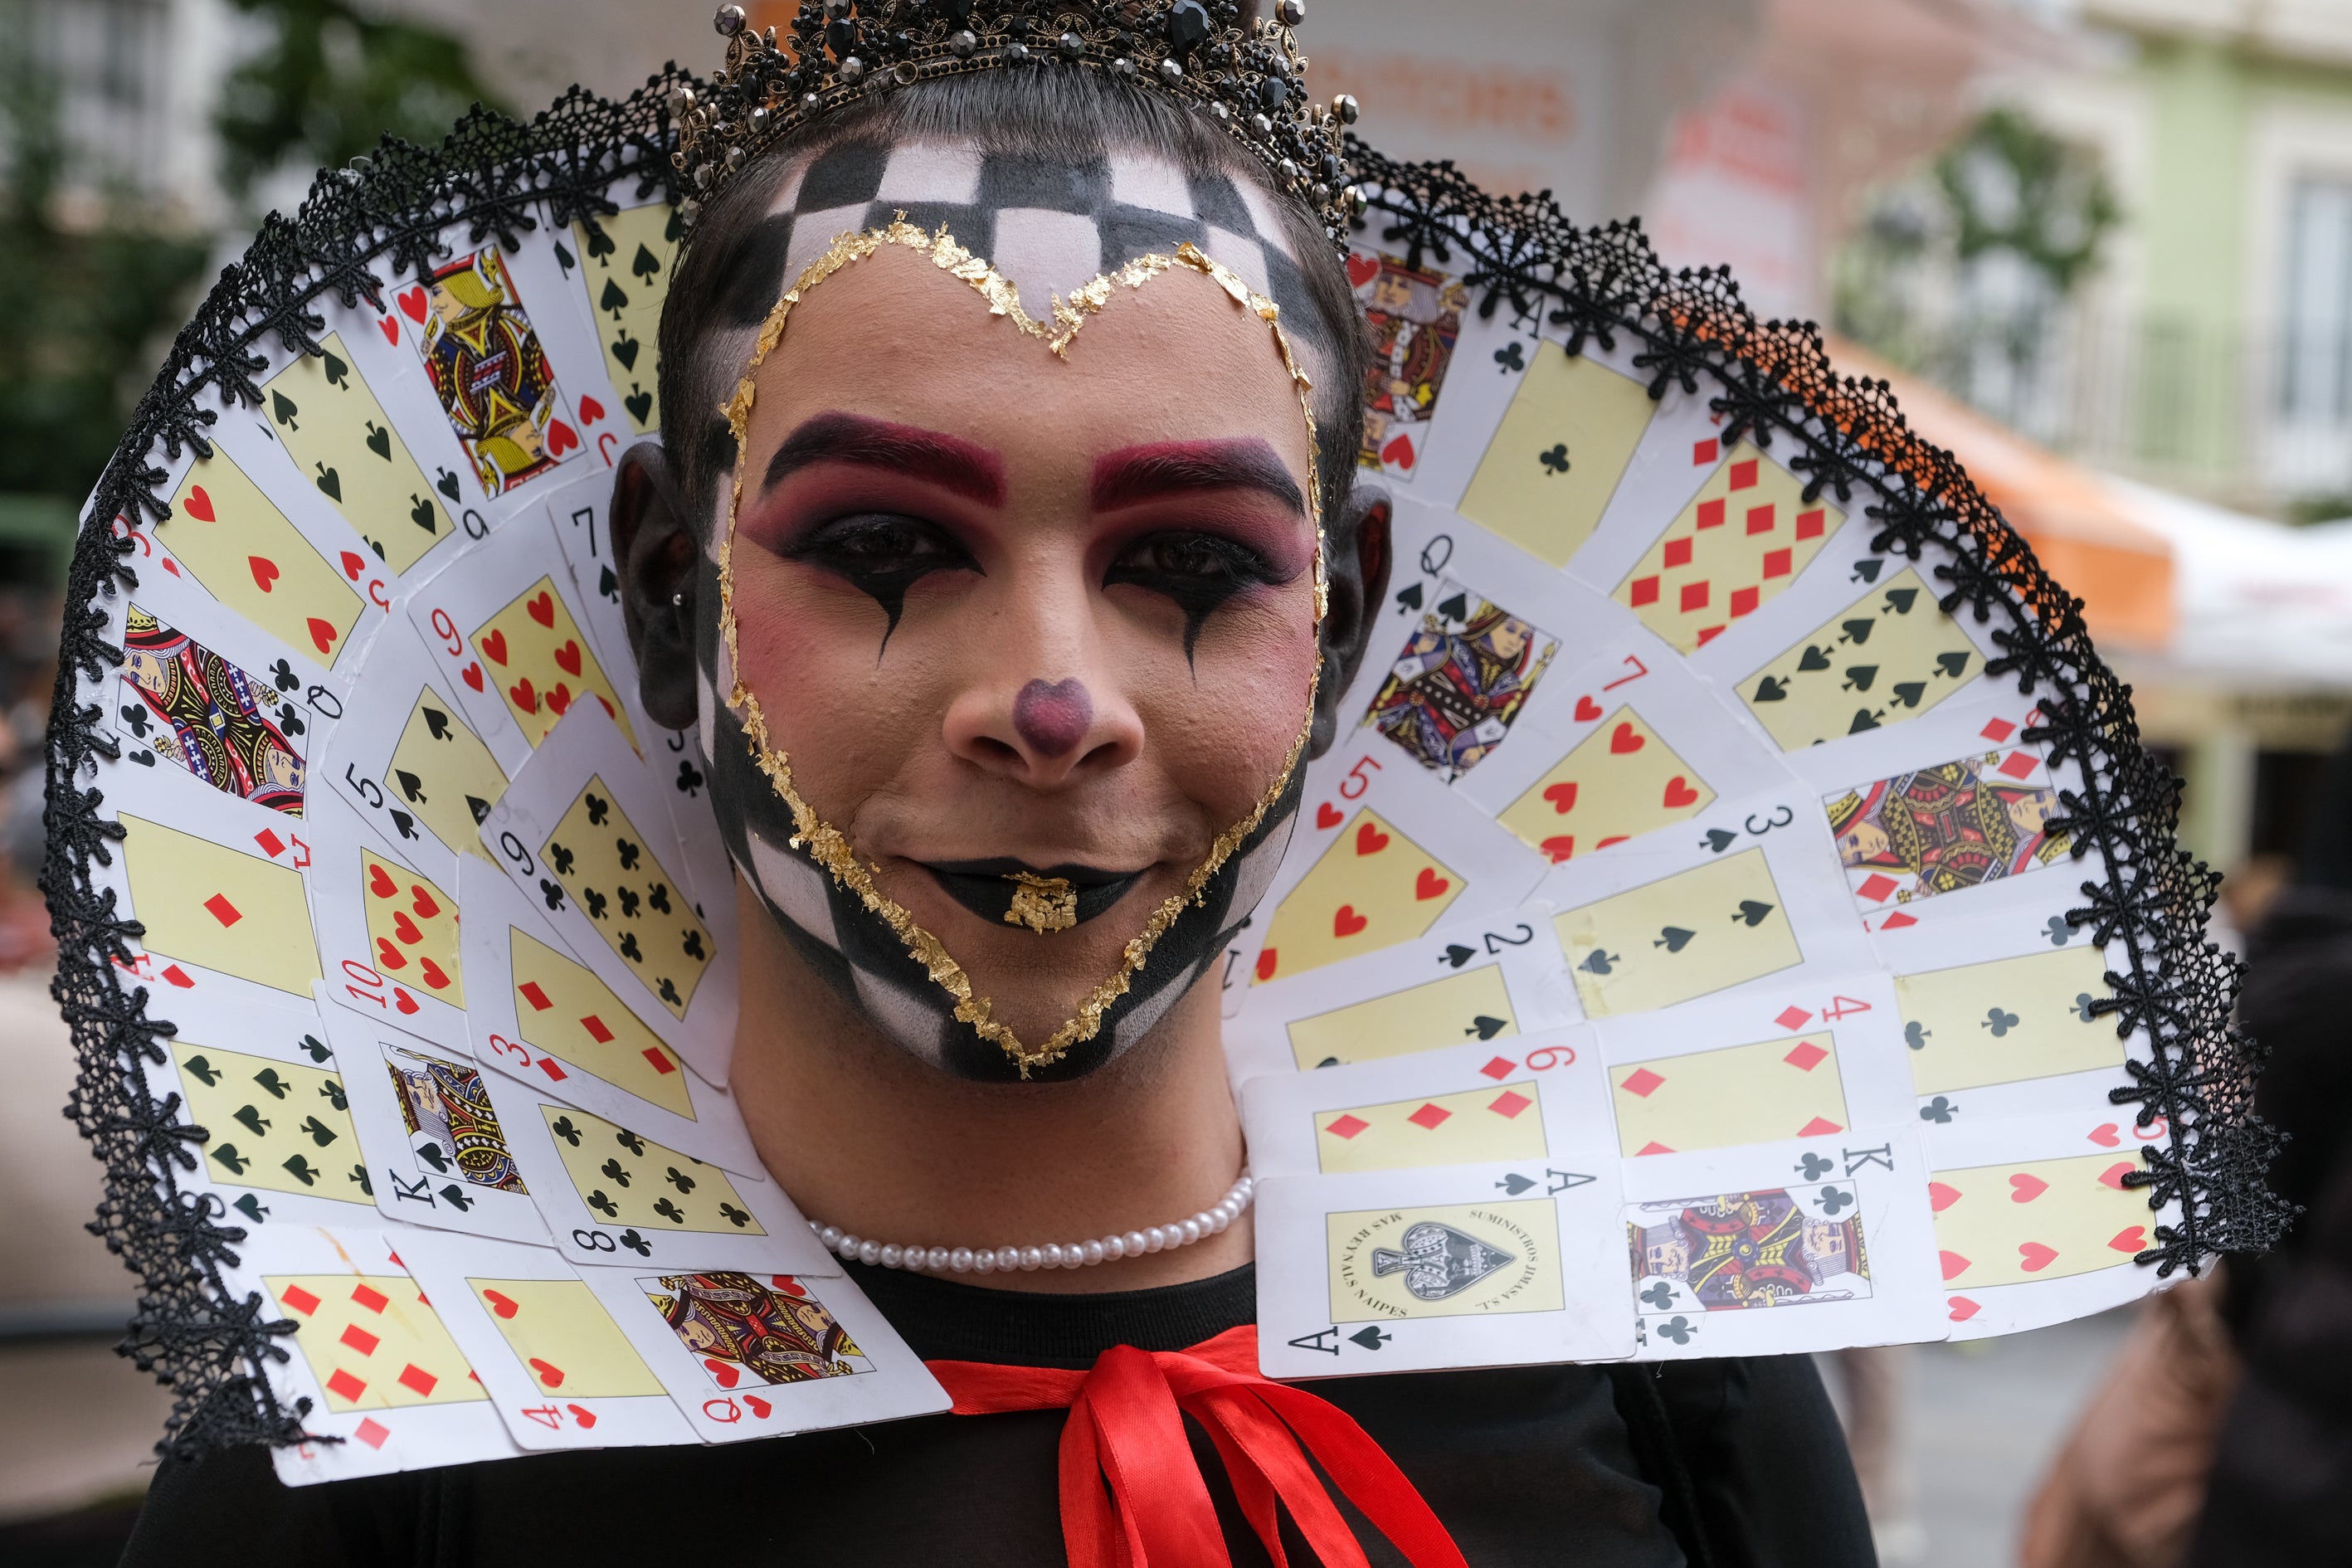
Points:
(991, 635)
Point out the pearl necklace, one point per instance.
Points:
(1211, 1221)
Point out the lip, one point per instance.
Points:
(986, 888)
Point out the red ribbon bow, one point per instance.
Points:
(1127, 1423)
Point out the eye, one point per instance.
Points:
(881, 555)
(1198, 570)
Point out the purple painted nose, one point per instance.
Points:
(1053, 716)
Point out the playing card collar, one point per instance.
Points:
(827, 845)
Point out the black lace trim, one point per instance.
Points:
(394, 210)
(1602, 285)
(212, 1346)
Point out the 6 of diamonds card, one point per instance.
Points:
(540, 1016)
(369, 1356)
(554, 1363)
(761, 1354)
(1496, 1264)
(642, 895)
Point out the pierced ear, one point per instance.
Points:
(1359, 574)
(655, 547)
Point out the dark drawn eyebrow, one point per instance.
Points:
(1135, 474)
(953, 463)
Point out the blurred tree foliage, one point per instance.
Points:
(330, 81)
(85, 305)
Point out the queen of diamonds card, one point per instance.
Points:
(1463, 677)
(1958, 825)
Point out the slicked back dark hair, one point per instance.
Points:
(1043, 122)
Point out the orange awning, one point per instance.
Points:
(2120, 569)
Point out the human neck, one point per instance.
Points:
(865, 1136)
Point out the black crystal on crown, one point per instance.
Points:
(1245, 74)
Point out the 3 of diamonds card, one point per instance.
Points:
(558, 1369)
(642, 895)
(540, 1016)
(761, 1354)
(1498, 1265)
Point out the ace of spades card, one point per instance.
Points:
(279, 1145)
(611, 1196)
(758, 1354)
(1741, 541)
(483, 358)
(1462, 675)
(1888, 655)
(1572, 429)
(554, 1363)
(626, 260)
(370, 1355)
(1490, 1265)
(333, 425)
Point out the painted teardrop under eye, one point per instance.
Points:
(1208, 569)
(857, 549)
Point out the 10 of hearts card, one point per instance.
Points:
(1734, 915)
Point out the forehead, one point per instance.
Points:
(1048, 225)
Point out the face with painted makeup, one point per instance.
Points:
(1031, 631)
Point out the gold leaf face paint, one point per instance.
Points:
(1039, 908)
(1044, 904)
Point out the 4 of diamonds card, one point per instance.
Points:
(558, 1369)
(1498, 1265)
(1538, 1098)
(368, 1356)
(761, 1354)
(642, 895)
(1779, 1249)
(540, 1016)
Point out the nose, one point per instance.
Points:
(1045, 733)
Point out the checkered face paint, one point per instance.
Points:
(869, 947)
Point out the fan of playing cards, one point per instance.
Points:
(1737, 916)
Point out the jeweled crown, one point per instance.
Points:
(1245, 74)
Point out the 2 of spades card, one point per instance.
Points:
(2037, 1219)
(1537, 1098)
(410, 762)
(1380, 854)
(1498, 1265)
(368, 1353)
(760, 1354)
(1809, 1060)
(642, 895)
(281, 562)
(579, 512)
(613, 1196)
(507, 633)
(264, 1086)
(440, 1150)
(1858, 643)
(1629, 744)
(1779, 1249)
(557, 1368)
(2010, 1014)
(1482, 980)
(387, 935)
(1715, 905)
(216, 880)
(540, 1016)
(624, 262)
